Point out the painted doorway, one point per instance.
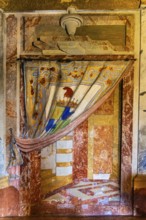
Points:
(96, 183)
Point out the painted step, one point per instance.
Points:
(46, 174)
(55, 183)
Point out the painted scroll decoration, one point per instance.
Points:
(60, 95)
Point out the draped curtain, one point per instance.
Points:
(61, 95)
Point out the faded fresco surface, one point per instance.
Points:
(2, 163)
(142, 132)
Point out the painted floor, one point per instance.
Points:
(82, 198)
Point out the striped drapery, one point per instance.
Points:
(61, 95)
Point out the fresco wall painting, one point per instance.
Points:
(88, 187)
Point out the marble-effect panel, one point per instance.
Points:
(35, 178)
(9, 202)
(25, 203)
(103, 144)
(127, 133)
(30, 183)
(11, 48)
(29, 35)
(80, 148)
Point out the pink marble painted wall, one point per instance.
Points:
(103, 149)
(127, 134)
(9, 201)
(80, 151)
